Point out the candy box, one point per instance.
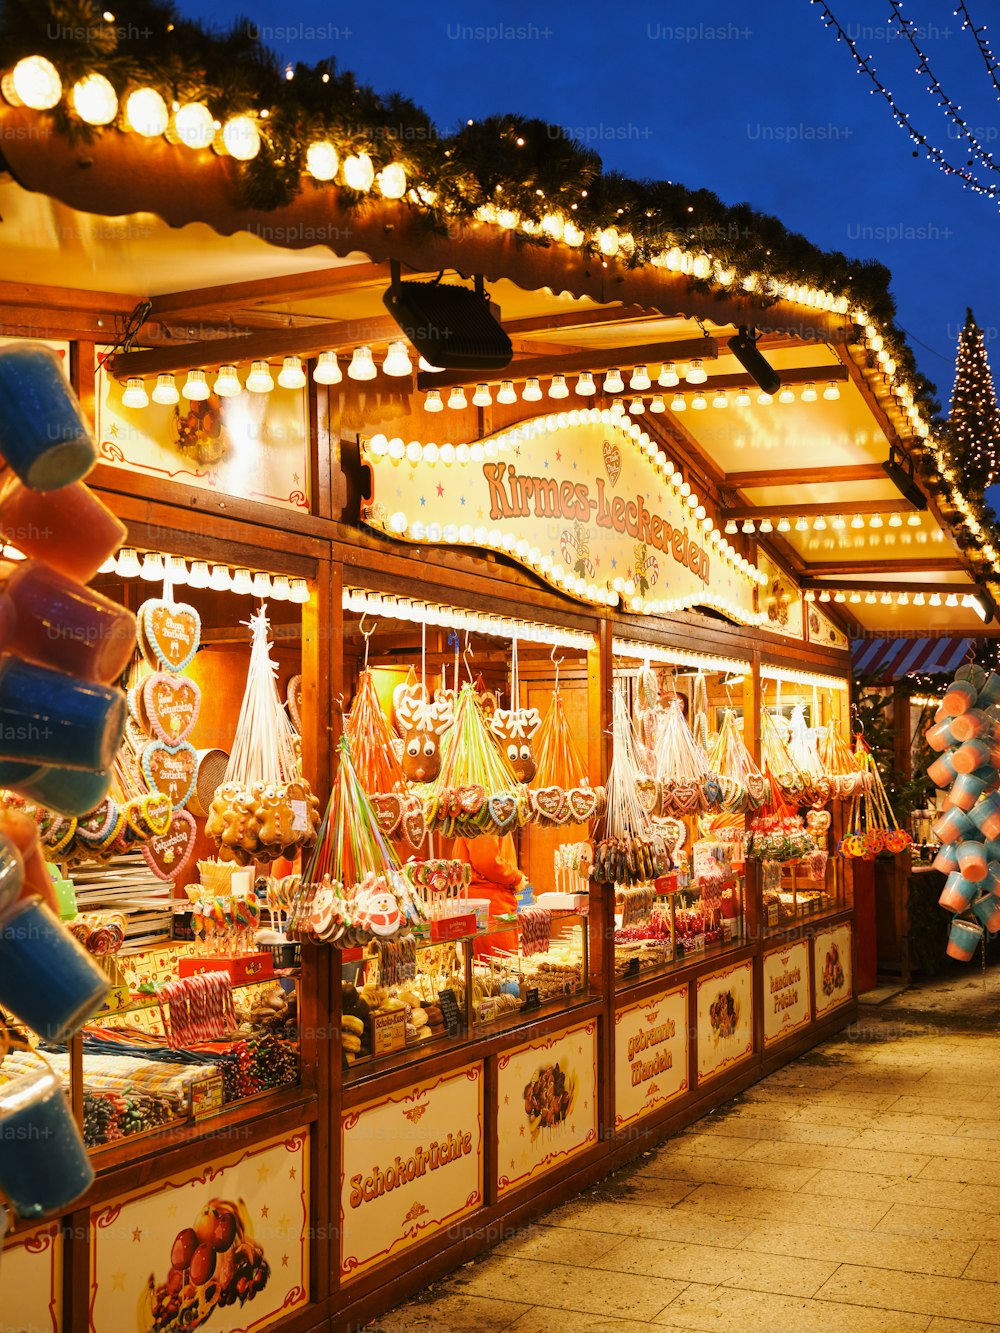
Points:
(241, 968)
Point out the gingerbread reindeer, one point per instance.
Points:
(514, 729)
(423, 724)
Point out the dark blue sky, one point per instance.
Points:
(756, 101)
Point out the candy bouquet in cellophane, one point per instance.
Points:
(560, 791)
(628, 849)
(264, 809)
(687, 784)
(847, 778)
(742, 785)
(399, 811)
(803, 747)
(352, 890)
(776, 833)
(776, 760)
(477, 790)
(872, 826)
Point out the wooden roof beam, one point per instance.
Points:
(895, 504)
(800, 476)
(596, 359)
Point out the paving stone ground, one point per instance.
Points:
(856, 1190)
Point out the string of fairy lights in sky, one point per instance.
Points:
(866, 66)
(985, 50)
(951, 110)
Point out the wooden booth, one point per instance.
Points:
(620, 504)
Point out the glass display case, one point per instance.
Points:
(398, 1001)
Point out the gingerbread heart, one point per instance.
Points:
(388, 807)
(582, 803)
(92, 829)
(294, 699)
(612, 461)
(171, 632)
(648, 793)
(171, 770)
(167, 854)
(171, 705)
(136, 712)
(56, 831)
(470, 799)
(503, 810)
(552, 803)
(414, 825)
(149, 815)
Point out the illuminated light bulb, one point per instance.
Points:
(613, 382)
(240, 138)
(280, 590)
(447, 453)
(875, 342)
(146, 113)
(743, 398)
(810, 595)
(608, 241)
(431, 452)
(152, 566)
(414, 451)
(135, 394)
(553, 226)
(801, 524)
(219, 579)
(482, 397)
(819, 523)
(424, 364)
(875, 521)
(731, 526)
(678, 403)
(720, 399)
(532, 392)
(668, 377)
(128, 563)
(242, 583)
(895, 520)
(298, 591)
(558, 387)
(196, 387)
(362, 365)
(913, 520)
(786, 395)
(886, 599)
(854, 598)
(839, 523)
(831, 393)
(198, 574)
(259, 380)
(918, 599)
(857, 521)
(359, 173)
(397, 449)
(327, 369)
(572, 234)
(194, 125)
(935, 599)
(640, 378)
(227, 383)
(903, 599)
(784, 523)
(699, 402)
(291, 375)
(477, 452)
(432, 402)
(33, 82)
(110, 566)
(95, 100)
(765, 525)
(765, 399)
(165, 391)
(748, 526)
(840, 597)
(809, 394)
(391, 181)
(696, 373)
(506, 394)
(951, 600)
(261, 585)
(870, 599)
(397, 361)
(656, 403)
(322, 160)
(636, 407)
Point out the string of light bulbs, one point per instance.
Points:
(361, 601)
(823, 522)
(154, 566)
(985, 50)
(873, 597)
(640, 383)
(865, 66)
(953, 112)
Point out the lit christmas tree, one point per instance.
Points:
(974, 424)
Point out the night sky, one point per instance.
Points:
(755, 101)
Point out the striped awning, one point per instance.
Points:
(889, 659)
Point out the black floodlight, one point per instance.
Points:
(452, 327)
(744, 348)
(903, 479)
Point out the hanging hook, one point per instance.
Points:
(466, 654)
(557, 663)
(366, 634)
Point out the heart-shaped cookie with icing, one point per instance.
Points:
(171, 633)
(171, 770)
(171, 704)
(167, 854)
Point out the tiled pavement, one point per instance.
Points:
(856, 1190)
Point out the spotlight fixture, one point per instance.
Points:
(765, 525)
(613, 382)
(696, 373)
(640, 378)
(784, 524)
(668, 378)
(451, 326)
(744, 347)
(585, 385)
(901, 476)
(558, 389)
(748, 525)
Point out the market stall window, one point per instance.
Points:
(467, 738)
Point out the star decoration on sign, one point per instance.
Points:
(118, 1281)
(295, 478)
(263, 1172)
(506, 1101)
(264, 1210)
(291, 1173)
(558, 455)
(137, 1235)
(113, 430)
(284, 1261)
(440, 489)
(172, 1210)
(284, 1222)
(423, 500)
(521, 1131)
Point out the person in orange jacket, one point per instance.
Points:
(494, 876)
